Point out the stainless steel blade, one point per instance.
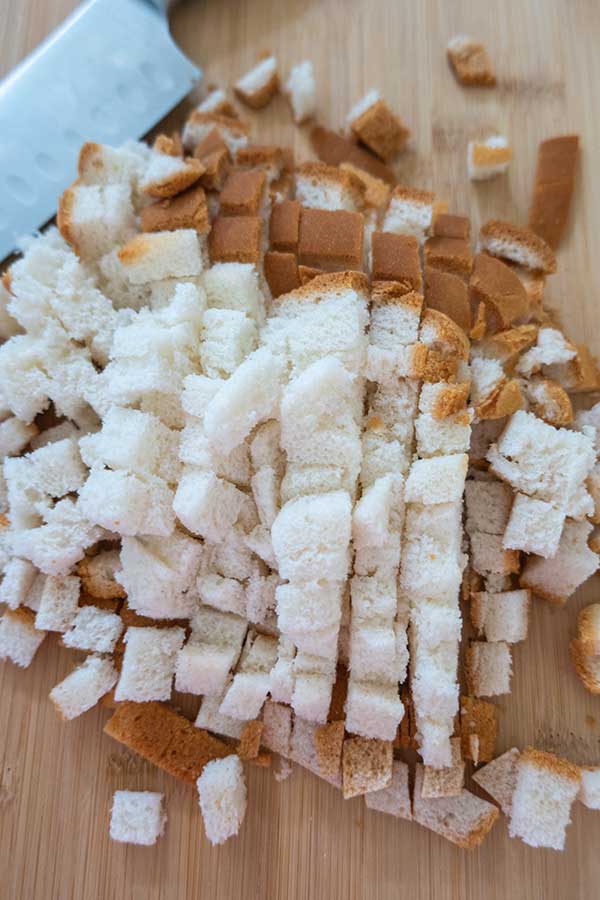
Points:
(109, 73)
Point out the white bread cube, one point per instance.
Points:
(236, 286)
(222, 797)
(502, 616)
(251, 682)
(34, 595)
(302, 92)
(158, 573)
(409, 211)
(311, 537)
(488, 158)
(25, 382)
(534, 526)
(19, 575)
(82, 689)
(441, 437)
(488, 505)
(161, 254)
(373, 710)
(382, 455)
(259, 542)
(434, 686)
(207, 505)
(539, 460)
(372, 654)
(329, 320)
(448, 781)
(311, 696)
(464, 819)
(249, 397)
(137, 817)
(499, 778)
(14, 436)
(94, 629)
(394, 325)
(124, 503)
(55, 470)
(220, 629)
(149, 664)
(374, 596)
(395, 798)
(66, 429)
(95, 218)
(59, 603)
(204, 668)
(489, 667)
(198, 391)
(558, 578)
(434, 624)
(303, 480)
(232, 558)
(308, 607)
(303, 750)
(440, 479)
(225, 594)
(102, 164)
(434, 741)
(134, 441)
(228, 337)
(260, 597)
(371, 515)
(19, 638)
(544, 793)
(370, 560)
(319, 186)
(60, 542)
(589, 792)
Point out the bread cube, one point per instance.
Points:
(58, 604)
(395, 798)
(376, 126)
(94, 629)
(222, 797)
(502, 616)
(60, 542)
(499, 778)
(95, 218)
(124, 503)
(556, 579)
(488, 505)
(224, 594)
(14, 436)
(373, 710)
(137, 817)
(464, 819)
(233, 285)
(489, 667)
(207, 505)
(19, 575)
(229, 336)
(162, 254)
(410, 211)
(148, 664)
(311, 537)
(534, 526)
(544, 793)
(257, 87)
(85, 685)
(19, 638)
(488, 158)
(440, 479)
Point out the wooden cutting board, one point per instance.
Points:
(300, 839)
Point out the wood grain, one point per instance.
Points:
(300, 839)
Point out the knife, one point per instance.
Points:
(110, 72)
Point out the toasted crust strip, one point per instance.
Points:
(329, 740)
(163, 737)
(478, 729)
(495, 284)
(249, 746)
(553, 187)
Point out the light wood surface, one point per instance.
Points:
(300, 839)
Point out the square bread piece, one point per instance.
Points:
(137, 817)
(235, 239)
(149, 663)
(19, 639)
(331, 240)
(544, 793)
(94, 629)
(222, 798)
(395, 257)
(82, 689)
(376, 126)
(366, 765)
(489, 667)
(470, 61)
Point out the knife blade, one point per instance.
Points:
(110, 72)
